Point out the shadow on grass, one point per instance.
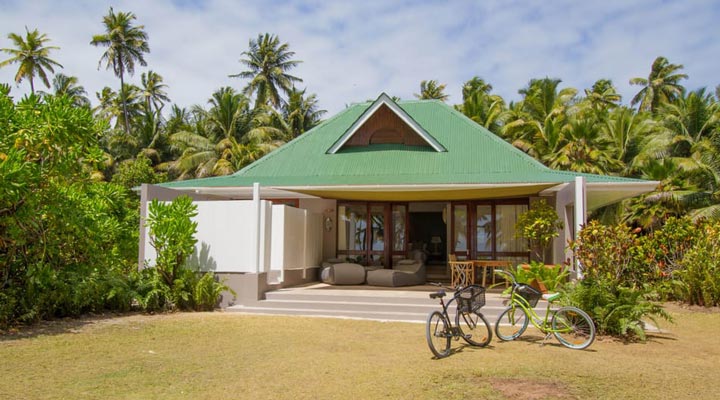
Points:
(55, 327)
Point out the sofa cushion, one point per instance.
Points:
(343, 274)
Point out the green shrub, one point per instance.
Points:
(619, 272)
(171, 284)
(539, 225)
(618, 311)
(699, 269)
(552, 277)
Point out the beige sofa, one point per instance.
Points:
(342, 273)
(404, 273)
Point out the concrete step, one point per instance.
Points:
(359, 303)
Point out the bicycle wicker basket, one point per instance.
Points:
(471, 299)
(529, 293)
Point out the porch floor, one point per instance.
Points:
(406, 304)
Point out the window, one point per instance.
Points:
(494, 230)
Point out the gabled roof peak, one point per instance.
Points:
(387, 101)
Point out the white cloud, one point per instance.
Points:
(352, 51)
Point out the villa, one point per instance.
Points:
(373, 184)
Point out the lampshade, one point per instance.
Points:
(435, 239)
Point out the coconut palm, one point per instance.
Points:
(627, 131)
(32, 56)
(432, 90)
(584, 149)
(268, 62)
(69, 86)
(534, 125)
(475, 85)
(603, 96)
(301, 113)
(154, 91)
(660, 87)
(485, 109)
(126, 44)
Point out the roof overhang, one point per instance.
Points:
(598, 193)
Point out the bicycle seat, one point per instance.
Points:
(437, 295)
(550, 297)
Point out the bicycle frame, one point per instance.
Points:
(540, 323)
(543, 324)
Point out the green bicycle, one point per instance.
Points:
(571, 326)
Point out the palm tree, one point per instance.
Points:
(535, 124)
(475, 85)
(483, 108)
(64, 85)
(32, 55)
(301, 113)
(431, 90)
(602, 96)
(268, 63)
(126, 44)
(661, 86)
(154, 91)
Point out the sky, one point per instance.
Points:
(354, 50)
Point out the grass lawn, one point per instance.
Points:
(230, 356)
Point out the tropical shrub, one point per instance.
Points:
(616, 310)
(171, 284)
(552, 277)
(617, 267)
(64, 239)
(539, 225)
(699, 269)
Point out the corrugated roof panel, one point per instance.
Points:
(474, 156)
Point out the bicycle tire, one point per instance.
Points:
(437, 332)
(511, 323)
(573, 328)
(473, 325)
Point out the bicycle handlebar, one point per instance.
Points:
(508, 273)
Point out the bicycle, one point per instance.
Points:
(470, 323)
(571, 326)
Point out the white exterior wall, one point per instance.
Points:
(290, 238)
(296, 238)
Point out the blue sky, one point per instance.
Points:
(353, 51)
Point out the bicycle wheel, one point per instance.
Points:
(474, 328)
(438, 334)
(573, 328)
(511, 323)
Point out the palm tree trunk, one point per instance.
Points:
(32, 85)
(122, 87)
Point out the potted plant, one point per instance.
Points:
(545, 278)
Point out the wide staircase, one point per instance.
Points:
(411, 304)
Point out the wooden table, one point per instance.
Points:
(483, 265)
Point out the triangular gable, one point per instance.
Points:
(384, 104)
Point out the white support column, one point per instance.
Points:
(258, 220)
(580, 213)
(143, 230)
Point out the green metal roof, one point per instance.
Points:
(474, 156)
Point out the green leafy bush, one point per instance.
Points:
(552, 277)
(171, 284)
(64, 239)
(539, 225)
(615, 291)
(616, 310)
(699, 269)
